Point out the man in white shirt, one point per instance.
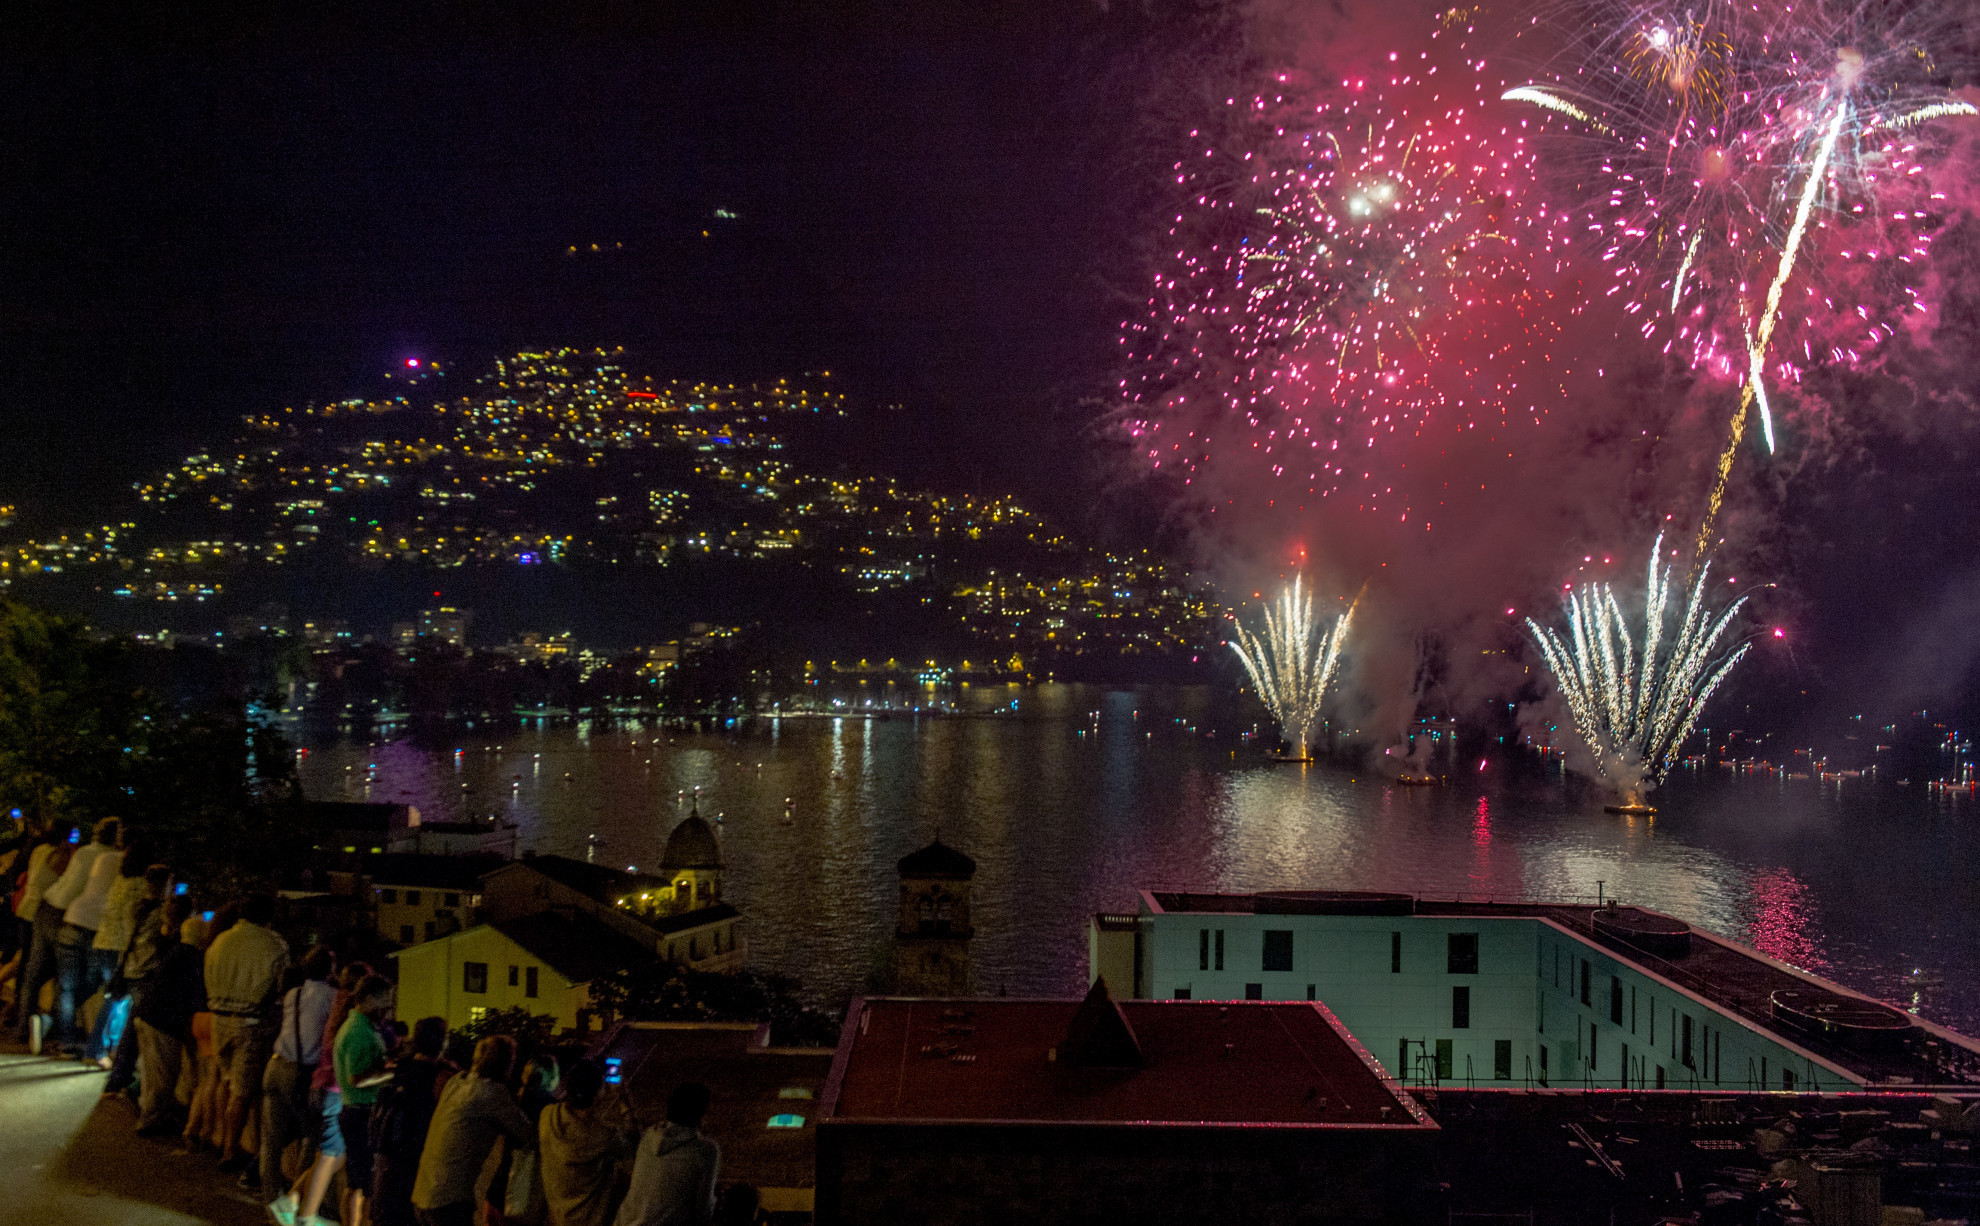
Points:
(72, 952)
(244, 970)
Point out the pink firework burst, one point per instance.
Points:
(1356, 266)
(1755, 175)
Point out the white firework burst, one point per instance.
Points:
(1634, 707)
(1293, 661)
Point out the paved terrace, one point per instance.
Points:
(71, 1158)
(1737, 979)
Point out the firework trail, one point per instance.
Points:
(1292, 662)
(1635, 708)
(1355, 264)
(1722, 148)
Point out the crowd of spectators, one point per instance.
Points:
(298, 1077)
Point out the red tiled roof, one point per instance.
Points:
(1246, 1062)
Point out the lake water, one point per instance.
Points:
(1075, 797)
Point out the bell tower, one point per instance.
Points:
(931, 936)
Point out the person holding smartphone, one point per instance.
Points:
(360, 1055)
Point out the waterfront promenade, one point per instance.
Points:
(73, 1157)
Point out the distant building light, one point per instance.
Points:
(786, 1121)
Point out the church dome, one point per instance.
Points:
(692, 845)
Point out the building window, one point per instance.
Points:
(716, 937)
(412, 898)
(1182, 994)
(1543, 1064)
(406, 934)
(1660, 1076)
(1395, 953)
(694, 949)
(430, 931)
(1787, 1079)
(1310, 992)
(1220, 949)
(391, 896)
(1460, 1008)
(1462, 954)
(1594, 1052)
(1502, 1060)
(1443, 1059)
(1625, 1067)
(515, 976)
(450, 900)
(529, 982)
(1203, 949)
(474, 977)
(1402, 1058)
(1615, 1000)
(1684, 1052)
(1586, 976)
(1254, 991)
(1278, 950)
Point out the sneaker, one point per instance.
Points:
(282, 1210)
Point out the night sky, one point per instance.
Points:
(210, 212)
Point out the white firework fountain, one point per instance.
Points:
(1634, 707)
(1292, 663)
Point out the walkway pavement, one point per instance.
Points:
(73, 1158)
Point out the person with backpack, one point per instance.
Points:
(286, 1116)
(400, 1119)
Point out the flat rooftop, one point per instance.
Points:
(753, 1084)
(1737, 979)
(1266, 1063)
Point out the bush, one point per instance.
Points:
(669, 992)
(533, 1033)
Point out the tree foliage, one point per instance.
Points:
(82, 738)
(69, 713)
(668, 992)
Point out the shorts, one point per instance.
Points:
(243, 1045)
(329, 1106)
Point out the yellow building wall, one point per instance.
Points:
(432, 980)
